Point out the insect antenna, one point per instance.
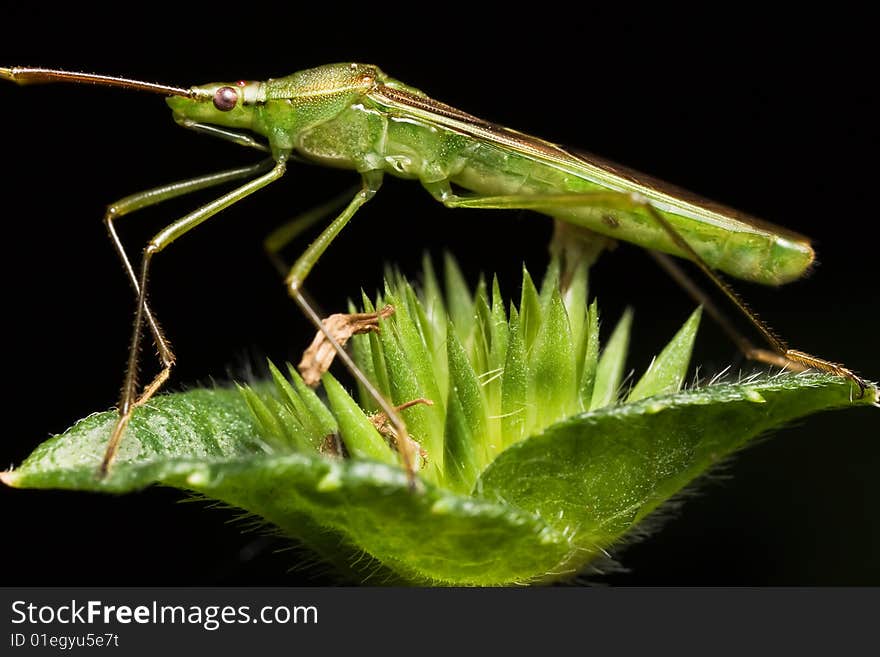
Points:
(30, 75)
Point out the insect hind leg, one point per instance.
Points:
(128, 399)
(779, 354)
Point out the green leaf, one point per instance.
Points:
(465, 447)
(203, 424)
(418, 371)
(420, 318)
(459, 302)
(529, 310)
(514, 385)
(278, 425)
(435, 306)
(405, 386)
(317, 415)
(361, 351)
(546, 505)
(552, 367)
(609, 370)
(590, 358)
(377, 358)
(575, 298)
(482, 337)
(500, 329)
(493, 380)
(666, 373)
(595, 475)
(203, 441)
(549, 284)
(360, 436)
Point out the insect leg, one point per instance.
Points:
(780, 355)
(297, 276)
(146, 199)
(792, 358)
(128, 400)
(697, 294)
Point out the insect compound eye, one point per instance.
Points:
(225, 98)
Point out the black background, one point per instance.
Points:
(775, 116)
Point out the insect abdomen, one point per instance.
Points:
(736, 248)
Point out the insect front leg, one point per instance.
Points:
(129, 399)
(146, 199)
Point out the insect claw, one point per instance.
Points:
(862, 384)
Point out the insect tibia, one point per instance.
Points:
(763, 328)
